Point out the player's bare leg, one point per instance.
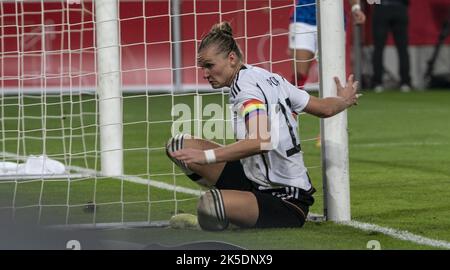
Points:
(238, 215)
(218, 208)
(204, 175)
(303, 60)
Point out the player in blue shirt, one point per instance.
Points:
(303, 35)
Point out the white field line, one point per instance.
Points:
(402, 235)
(139, 180)
(399, 234)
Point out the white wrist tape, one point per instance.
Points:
(210, 156)
(356, 7)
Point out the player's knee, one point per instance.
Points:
(176, 143)
(211, 211)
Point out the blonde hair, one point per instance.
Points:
(221, 36)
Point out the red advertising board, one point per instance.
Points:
(53, 45)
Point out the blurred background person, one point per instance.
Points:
(391, 16)
(303, 36)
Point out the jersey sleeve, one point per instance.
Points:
(299, 99)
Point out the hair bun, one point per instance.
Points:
(223, 27)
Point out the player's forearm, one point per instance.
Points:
(334, 106)
(239, 150)
(326, 107)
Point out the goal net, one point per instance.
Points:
(92, 90)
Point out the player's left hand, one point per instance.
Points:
(190, 155)
(349, 91)
(359, 17)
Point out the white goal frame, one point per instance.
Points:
(334, 134)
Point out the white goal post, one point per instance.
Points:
(335, 164)
(109, 87)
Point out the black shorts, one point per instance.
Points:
(277, 207)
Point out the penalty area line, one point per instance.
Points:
(398, 234)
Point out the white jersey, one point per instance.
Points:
(255, 90)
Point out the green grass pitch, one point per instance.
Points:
(399, 170)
